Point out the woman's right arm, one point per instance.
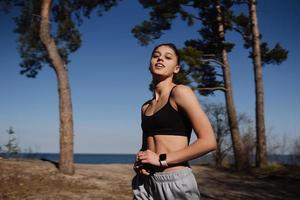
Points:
(138, 166)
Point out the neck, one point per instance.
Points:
(161, 88)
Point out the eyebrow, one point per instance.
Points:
(166, 53)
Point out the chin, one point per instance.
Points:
(157, 72)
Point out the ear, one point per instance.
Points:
(177, 69)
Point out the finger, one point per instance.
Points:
(145, 172)
(138, 155)
(144, 161)
(143, 156)
(136, 168)
(138, 163)
(141, 153)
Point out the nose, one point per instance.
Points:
(159, 58)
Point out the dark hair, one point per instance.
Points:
(172, 46)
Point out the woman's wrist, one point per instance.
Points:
(172, 159)
(163, 160)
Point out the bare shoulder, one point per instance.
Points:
(145, 105)
(184, 96)
(182, 91)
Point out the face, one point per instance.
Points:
(164, 62)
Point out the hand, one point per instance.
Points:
(139, 168)
(148, 157)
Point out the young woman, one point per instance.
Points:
(162, 165)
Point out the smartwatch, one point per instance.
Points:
(163, 160)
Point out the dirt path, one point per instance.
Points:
(222, 185)
(40, 180)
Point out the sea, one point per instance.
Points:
(90, 158)
(81, 158)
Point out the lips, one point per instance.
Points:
(159, 65)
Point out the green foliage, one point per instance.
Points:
(202, 73)
(276, 55)
(162, 13)
(5, 5)
(11, 148)
(195, 71)
(66, 17)
(30, 47)
(242, 25)
(181, 77)
(199, 54)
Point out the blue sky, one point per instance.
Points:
(109, 81)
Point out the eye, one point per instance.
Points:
(156, 55)
(168, 56)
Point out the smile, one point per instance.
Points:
(159, 65)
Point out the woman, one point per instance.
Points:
(162, 165)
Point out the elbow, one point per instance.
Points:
(208, 144)
(212, 144)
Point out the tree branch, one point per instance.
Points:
(188, 5)
(191, 15)
(226, 149)
(245, 37)
(209, 55)
(215, 61)
(46, 38)
(214, 88)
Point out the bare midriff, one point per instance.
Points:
(167, 144)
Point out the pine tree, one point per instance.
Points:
(260, 54)
(48, 34)
(203, 54)
(12, 147)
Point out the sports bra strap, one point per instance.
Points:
(171, 93)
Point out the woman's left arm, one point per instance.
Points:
(187, 101)
(206, 141)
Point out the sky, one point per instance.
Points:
(109, 81)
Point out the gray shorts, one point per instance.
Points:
(180, 184)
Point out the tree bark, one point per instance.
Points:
(218, 153)
(261, 147)
(65, 105)
(231, 112)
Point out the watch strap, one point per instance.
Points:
(163, 163)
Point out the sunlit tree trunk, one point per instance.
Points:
(232, 116)
(261, 147)
(65, 106)
(219, 154)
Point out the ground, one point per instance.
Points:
(36, 179)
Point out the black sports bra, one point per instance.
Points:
(167, 121)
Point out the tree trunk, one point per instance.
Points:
(65, 106)
(261, 149)
(231, 112)
(218, 153)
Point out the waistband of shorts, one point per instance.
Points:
(173, 175)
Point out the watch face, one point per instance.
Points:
(162, 156)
